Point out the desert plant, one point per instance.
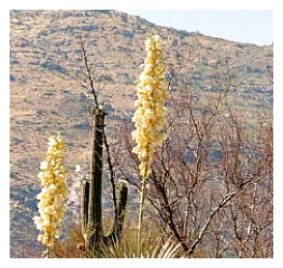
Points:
(158, 249)
(211, 182)
(155, 245)
(54, 192)
(91, 208)
(150, 114)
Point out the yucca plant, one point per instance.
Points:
(51, 206)
(150, 114)
(157, 249)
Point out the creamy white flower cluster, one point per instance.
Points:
(150, 114)
(51, 206)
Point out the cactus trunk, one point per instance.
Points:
(91, 207)
(92, 190)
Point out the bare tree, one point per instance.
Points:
(211, 184)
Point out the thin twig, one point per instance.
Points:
(89, 73)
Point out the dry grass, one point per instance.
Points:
(154, 245)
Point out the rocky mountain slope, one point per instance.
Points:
(47, 92)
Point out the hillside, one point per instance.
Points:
(46, 92)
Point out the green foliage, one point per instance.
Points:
(158, 248)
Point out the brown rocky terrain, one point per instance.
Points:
(48, 93)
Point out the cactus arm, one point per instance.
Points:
(123, 195)
(116, 230)
(84, 205)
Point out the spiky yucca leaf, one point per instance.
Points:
(159, 249)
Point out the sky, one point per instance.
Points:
(247, 26)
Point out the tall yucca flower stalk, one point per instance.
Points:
(53, 194)
(150, 114)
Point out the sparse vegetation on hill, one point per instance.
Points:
(211, 185)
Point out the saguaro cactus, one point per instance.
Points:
(92, 228)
